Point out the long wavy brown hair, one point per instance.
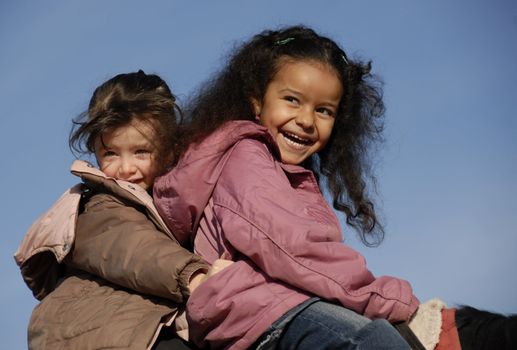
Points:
(344, 165)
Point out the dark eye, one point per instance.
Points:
(109, 154)
(325, 111)
(143, 153)
(291, 99)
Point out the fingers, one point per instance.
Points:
(226, 255)
(217, 266)
(222, 263)
(195, 280)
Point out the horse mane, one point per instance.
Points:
(484, 330)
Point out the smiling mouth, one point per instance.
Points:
(295, 140)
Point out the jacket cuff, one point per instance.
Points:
(413, 306)
(402, 311)
(187, 273)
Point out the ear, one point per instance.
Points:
(257, 106)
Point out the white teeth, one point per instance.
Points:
(294, 143)
(296, 137)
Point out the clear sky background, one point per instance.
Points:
(446, 173)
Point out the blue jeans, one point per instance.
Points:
(317, 324)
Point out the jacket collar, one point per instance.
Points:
(127, 190)
(184, 192)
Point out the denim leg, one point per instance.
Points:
(323, 325)
(269, 339)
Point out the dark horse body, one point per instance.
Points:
(476, 330)
(483, 330)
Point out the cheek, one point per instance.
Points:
(150, 168)
(325, 130)
(108, 168)
(274, 116)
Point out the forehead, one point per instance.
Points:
(286, 61)
(136, 132)
(309, 75)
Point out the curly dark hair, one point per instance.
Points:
(122, 99)
(345, 161)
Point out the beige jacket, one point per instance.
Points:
(108, 271)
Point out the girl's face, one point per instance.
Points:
(126, 153)
(299, 108)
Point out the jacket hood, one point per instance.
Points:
(198, 171)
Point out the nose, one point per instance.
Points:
(127, 168)
(305, 118)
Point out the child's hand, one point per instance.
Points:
(195, 280)
(218, 265)
(200, 277)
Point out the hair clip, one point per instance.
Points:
(284, 41)
(345, 60)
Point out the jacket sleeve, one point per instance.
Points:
(265, 219)
(118, 242)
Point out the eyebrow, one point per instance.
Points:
(143, 144)
(288, 89)
(296, 92)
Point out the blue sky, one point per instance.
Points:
(446, 172)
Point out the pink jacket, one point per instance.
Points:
(231, 194)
